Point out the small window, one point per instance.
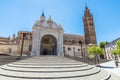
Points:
(78, 49)
(69, 49)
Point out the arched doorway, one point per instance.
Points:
(48, 45)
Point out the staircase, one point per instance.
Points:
(52, 68)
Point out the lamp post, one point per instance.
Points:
(64, 51)
(80, 42)
(74, 51)
(21, 50)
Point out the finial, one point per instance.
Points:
(60, 27)
(13, 37)
(43, 13)
(9, 37)
(50, 19)
(59, 24)
(86, 5)
(42, 16)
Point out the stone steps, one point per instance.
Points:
(46, 66)
(98, 76)
(51, 68)
(50, 62)
(43, 69)
(57, 64)
(48, 75)
(90, 77)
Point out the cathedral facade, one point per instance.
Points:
(48, 38)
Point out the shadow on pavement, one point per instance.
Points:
(106, 67)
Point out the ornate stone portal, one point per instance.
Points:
(47, 38)
(48, 45)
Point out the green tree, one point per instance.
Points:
(116, 52)
(102, 45)
(96, 51)
(118, 44)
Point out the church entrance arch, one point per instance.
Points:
(48, 45)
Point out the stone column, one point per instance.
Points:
(61, 44)
(35, 43)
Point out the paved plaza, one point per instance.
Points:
(110, 67)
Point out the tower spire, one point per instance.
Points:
(42, 16)
(43, 13)
(86, 7)
(50, 19)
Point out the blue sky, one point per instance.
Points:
(20, 15)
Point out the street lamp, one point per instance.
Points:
(64, 51)
(21, 50)
(74, 51)
(80, 42)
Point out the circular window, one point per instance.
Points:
(78, 49)
(69, 49)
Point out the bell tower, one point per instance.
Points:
(89, 28)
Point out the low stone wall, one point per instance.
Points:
(74, 50)
(8, 48)
(14, 49)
